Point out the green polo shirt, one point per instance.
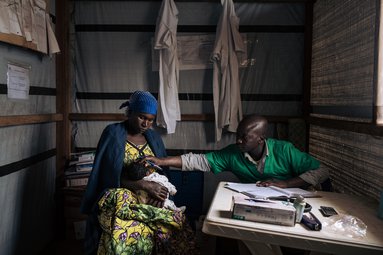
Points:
(283, 161)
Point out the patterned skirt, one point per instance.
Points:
(133, 228)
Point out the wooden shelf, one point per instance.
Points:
(16, 120)
(17, 40)
(184, 117)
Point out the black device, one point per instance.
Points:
(327, 211)
(311, 222)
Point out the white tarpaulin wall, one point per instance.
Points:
(27, 175)
(112, 58)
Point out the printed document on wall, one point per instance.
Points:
(18, 82)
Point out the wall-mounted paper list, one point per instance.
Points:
(18, 82)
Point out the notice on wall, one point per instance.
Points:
(194, 52)
(18, 82)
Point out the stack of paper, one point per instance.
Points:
(254, 191)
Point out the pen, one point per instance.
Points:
(263, 200)
(153, 165)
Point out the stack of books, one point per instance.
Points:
(79, 168)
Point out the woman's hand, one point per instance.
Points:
(157, 193)
(155, 203)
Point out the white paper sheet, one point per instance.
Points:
(27, 19)
(4, 17)
(39, 35)
(53, 46)
(194, 52)
(15, 17)
(252, 190)
(18, 82)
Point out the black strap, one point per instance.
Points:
(140, 151)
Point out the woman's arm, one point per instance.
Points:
(157, 192)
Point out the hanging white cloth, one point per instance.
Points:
(226, 87)
(166, 42)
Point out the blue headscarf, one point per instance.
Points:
(141, 101)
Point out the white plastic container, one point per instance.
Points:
(299, 205)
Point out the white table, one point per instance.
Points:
(218, 222)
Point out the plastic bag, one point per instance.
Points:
(346, 225)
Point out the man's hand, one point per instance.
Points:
(295, 182)
(280, 184)
(153, 159)
(174, 161)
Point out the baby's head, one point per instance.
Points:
(135, 171)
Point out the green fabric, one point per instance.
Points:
(283, 162)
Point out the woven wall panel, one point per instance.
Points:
(355, 160)
(343, 53)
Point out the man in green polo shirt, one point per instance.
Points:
(256, 159)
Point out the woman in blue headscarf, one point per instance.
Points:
(110, 202)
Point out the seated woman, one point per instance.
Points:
(112, 208)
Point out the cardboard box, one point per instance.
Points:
(266, 211)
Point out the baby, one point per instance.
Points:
(137, 171)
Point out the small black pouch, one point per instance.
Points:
(311, 222)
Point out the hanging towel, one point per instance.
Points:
(226, 87)
(166, 42)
